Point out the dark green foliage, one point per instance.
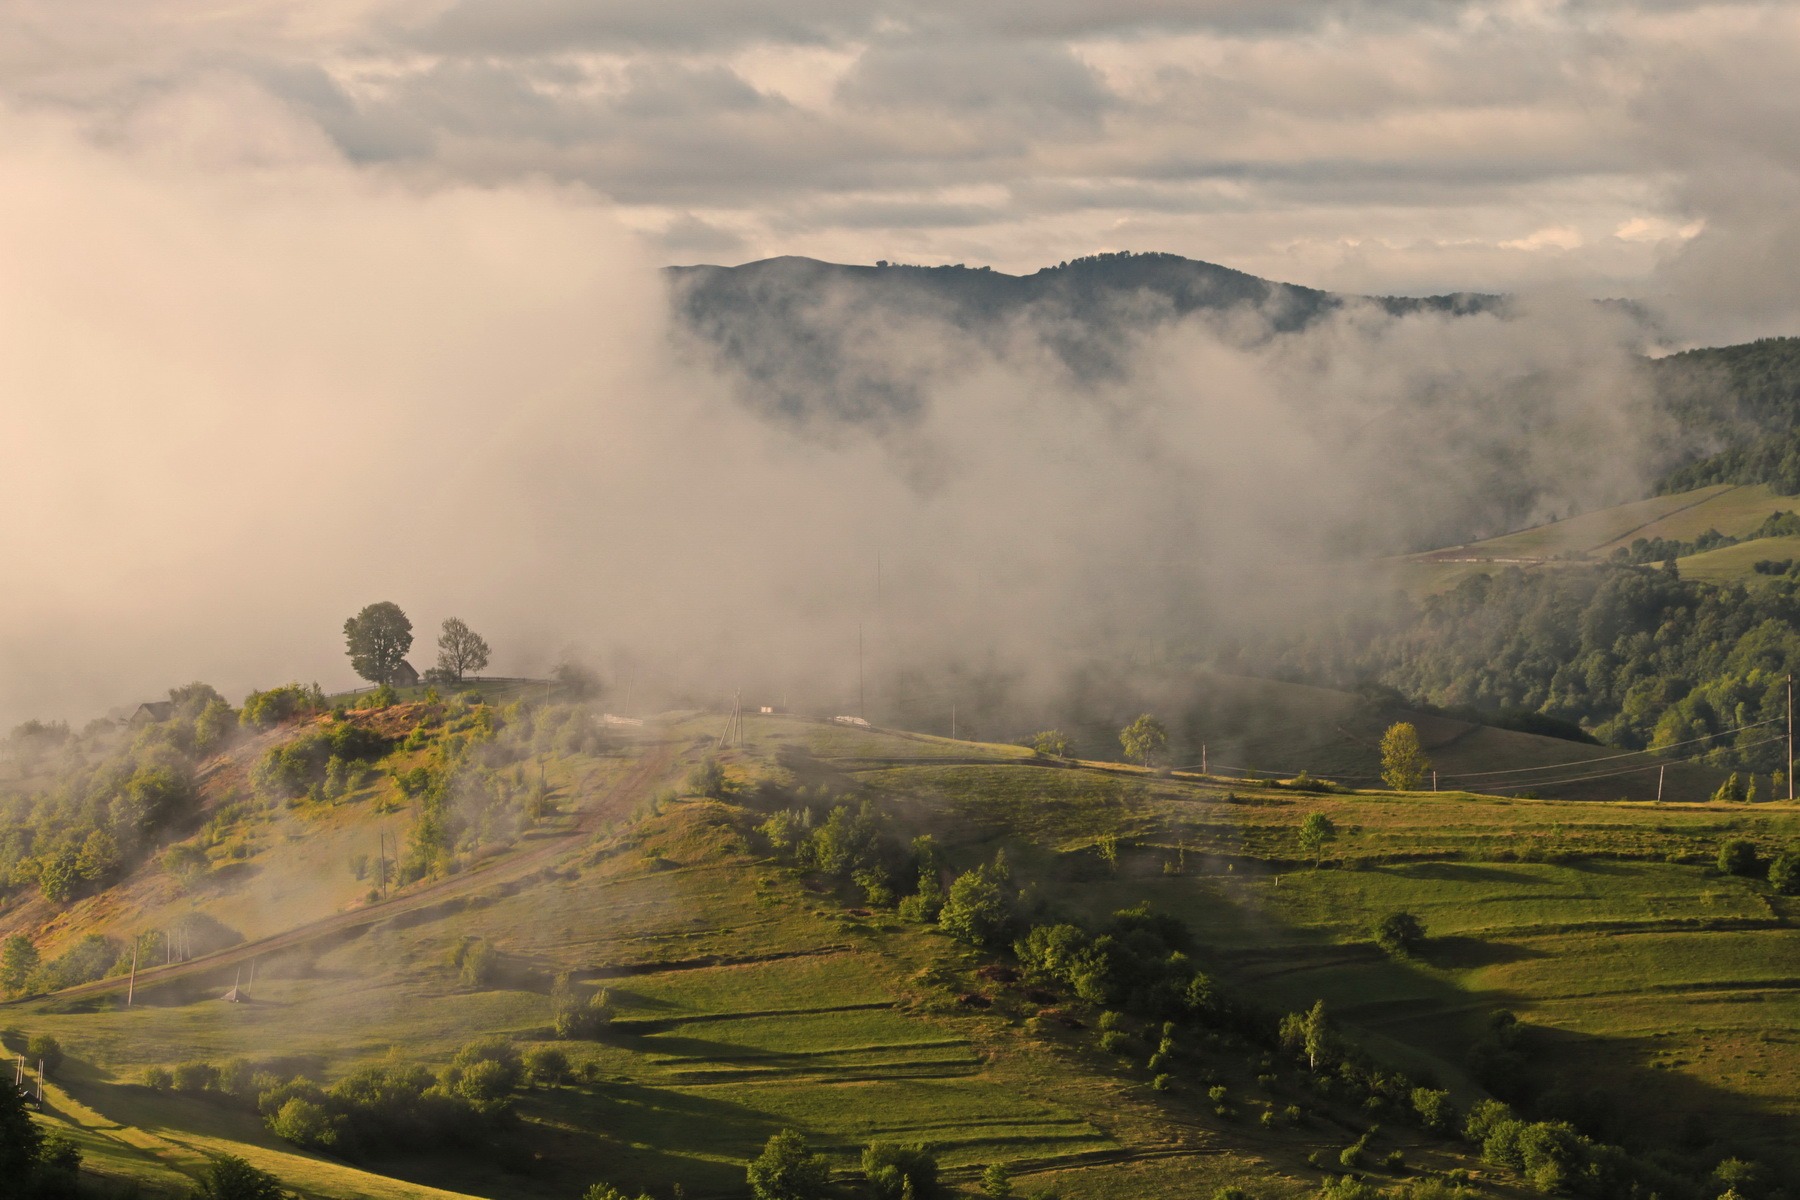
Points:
(231, 1178)
(18, 959)
(1738, 857)
(787, 1170)
(895, 1171)
(1138, 961)
(1642, 659)
(377, 639)
(996, 1181)
(270, 708)
(1400, 933)
(1435, 1110)
(46, 1050)
(20, 1140)
(707, 779)
(294, 768)
(1784, 873)
(87, 960)
(576, 1015)
(980, 907)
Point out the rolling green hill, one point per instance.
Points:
(751, 993)
(1735, 510)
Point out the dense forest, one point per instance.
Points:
(1638, 656)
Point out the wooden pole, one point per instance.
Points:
(1660, 772)
(131, 985)
(1790, 773)
(1203, 769)
(862, 707)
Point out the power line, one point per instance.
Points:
(1623, 771)
(1610, 757)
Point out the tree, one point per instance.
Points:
(787, 1170)
(1052, 743)
(460, 649)
(1403, 761)
(18, 959)
(377, 639)
(1144, 737)
(229, 1177)
(1315, 832)
(980, 905)
(1307, 1033)
(1399, 933)
(996, 1181)
(20, 1139)
(1784, 873)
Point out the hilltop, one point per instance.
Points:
(767, 964)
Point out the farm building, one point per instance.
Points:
(404, 675)
(151, 712)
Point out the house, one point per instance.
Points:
(151, 712)
(404, 675)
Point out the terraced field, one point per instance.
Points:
(753, 997)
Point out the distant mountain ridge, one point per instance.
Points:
(799, 329)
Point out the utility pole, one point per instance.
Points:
(953, 720)
(1660, 772)
(862, 708)
(1790, 694)
(131, 985)
(1434, 779)
(1203, 769)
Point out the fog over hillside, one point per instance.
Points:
(266, 387)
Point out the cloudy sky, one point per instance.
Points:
(1395, 146)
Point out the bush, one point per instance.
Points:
(895, 1171)
(264, 709)
(196, 1077)
(1115, 1041)
(1737, 857)
(1784, 873)
(576, 1016)
(477, 963)
(787, 1170)
(979, 909)
(996, 1181)
(707, 779)
(546, 1065)
(1434, 1109)
(157, 1079)
(306, 1124)
(1400, 933)
(45, 1049)
(231, 1178)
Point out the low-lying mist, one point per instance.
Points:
(251, 387)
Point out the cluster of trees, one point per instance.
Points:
(859, 846)
(94, 804)
(320, 764)
(787, 1169)
(1640, 658)
(383, 1107)
(377, 640)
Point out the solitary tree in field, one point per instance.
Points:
(1307, 1033)
(461, 649)
(1144, 737)
(1400, 933)
(1315, 833)
(1052, 743)
(18, 959)
(1403, 761)
(377, 639)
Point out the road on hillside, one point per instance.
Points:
(653, 765)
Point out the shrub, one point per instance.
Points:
(45, 1049)
(478, 963)
(157, 1079)
(546, 1065)
(576, 1016)
(264, 709)
(1434, 1109)
(231, 1178)
(996, 1181)
(1400, 933)
(1784, 873)
(1737, 857)
(787, 1170)
(707, 779)
(895, 1171)
(1115, 1041)
(1163, 1082)
(979, 909)
(306, 1124)
(196, 1077)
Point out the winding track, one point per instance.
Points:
(651, 767)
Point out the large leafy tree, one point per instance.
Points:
(18, 959)
(1403, 761)
(461, 649)
(377, 639)
(1144, 737)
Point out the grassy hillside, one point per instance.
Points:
(751, 995)
(1733, 510)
